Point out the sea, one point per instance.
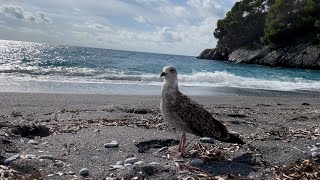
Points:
(46, 68)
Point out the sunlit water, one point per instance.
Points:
(35, 67)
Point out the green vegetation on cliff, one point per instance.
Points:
(251, 23)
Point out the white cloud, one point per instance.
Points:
(164, 26)
(140, 19)
(18, 12)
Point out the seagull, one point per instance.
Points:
(188, 116)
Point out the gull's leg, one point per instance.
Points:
(183, 144)
(180, 143)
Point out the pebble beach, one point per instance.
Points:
(64, 136)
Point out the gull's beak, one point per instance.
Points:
(163, 74)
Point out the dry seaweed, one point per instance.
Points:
(306, 169)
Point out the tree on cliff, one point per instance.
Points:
(290, 20)
(243, 25)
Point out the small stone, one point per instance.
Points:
(46, 157)
(117, 166)
(96, 130)
(154, 163)
(315, 154)
(314, 149)
(59, 163)
(318, 144)
(119, 162)
(207, 140)
(125, 165)
(11, 159)
(112, 144)
(84, 172)
(196, 162)
(317, 130)
(33, 142)
(305, 104)
(30, 156)
(130, 160)
(138, 162)
(95, 158)
(71, 173)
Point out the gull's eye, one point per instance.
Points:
(172, 70)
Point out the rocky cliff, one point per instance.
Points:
(300, 56)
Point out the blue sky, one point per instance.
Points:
(160, 26)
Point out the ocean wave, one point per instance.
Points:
(206, 79)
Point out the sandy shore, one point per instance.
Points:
(279, 128)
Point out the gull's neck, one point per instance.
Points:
(170, 87)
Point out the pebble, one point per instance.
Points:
(314, 149)
(317, 130)
(59, 163)
(154, 163)
(196, 162)
(125, 165)
(112, 144)
(178, 160)
(71, 173)
(46, 156)
(315, 154)
(119, 162)
(300, 135)
(33, 142)
(30, 156)
(117, 166)
(84, 172)
(207, 140)
(138, 162)
(11, 159)
(130, 160)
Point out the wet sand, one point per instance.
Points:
(278, 128)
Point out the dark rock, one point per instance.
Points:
(11, 159)
(212, 54)
(305, 104)
(84, 172)
(305, 56)
(31, 131)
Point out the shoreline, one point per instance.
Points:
(278, 131)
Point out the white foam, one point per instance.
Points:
(207, 79)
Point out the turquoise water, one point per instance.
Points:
(35, 67)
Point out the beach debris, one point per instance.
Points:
(306, 169)
(33, 142)
(111, 144)
(207, 140)
(11, 159)
(84, 172)
(31, 131)
(9, 173)
(209, 153)
(130, 160)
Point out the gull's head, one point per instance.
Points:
(169, 73)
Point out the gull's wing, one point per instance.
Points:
(200, 121)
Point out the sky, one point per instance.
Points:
(182, 27)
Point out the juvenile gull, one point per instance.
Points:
(188, 116)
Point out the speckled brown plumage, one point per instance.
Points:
(187, 115)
